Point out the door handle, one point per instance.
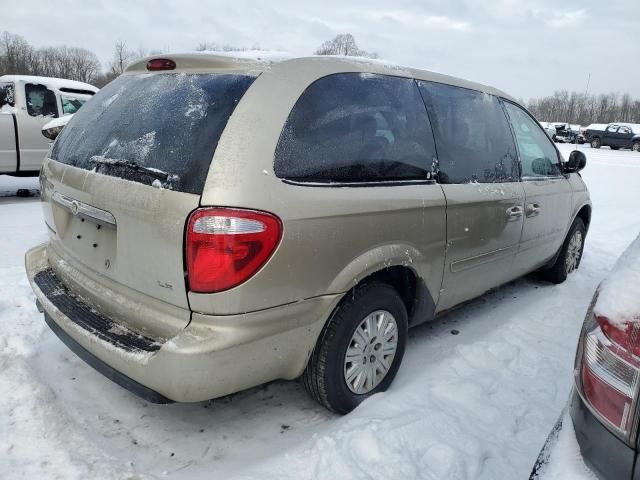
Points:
(532, 209)
(513, 213)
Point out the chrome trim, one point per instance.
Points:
(81, 209)
(541, 178)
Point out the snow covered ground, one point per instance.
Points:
(474, 405)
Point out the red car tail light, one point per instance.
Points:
(225, 247)
(608, 372)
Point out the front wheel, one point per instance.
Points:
(360, 349)
(569, 259)
(635, 147)
(596, 143)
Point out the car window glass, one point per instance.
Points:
(612, 128)
(353, 127)
(625, 130)
(538, 156)
(71, 104)
(152, 127)
(40, 101)
(473, 137)
(7, 94)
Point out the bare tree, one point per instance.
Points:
(122, 57)
(343, 44)
(18, 57)
(583, 109)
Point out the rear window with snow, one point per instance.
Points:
(153, 128)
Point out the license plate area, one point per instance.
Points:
(93, 242)
(89, 234)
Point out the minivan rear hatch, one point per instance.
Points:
(127, 171)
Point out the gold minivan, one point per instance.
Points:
(217, 223)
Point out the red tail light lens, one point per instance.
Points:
(225, 247)
(608, 372)
(161, 64)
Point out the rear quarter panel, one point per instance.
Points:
(333, 236)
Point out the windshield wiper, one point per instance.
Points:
(130, 164)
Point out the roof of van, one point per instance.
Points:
(55, 83)
(259, 61)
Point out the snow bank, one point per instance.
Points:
(619, 298)
(473, 406)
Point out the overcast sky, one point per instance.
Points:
(527, 48)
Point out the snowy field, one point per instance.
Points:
(476, 405)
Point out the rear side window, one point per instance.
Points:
(472, 134)
(40, 101)
(353, 127)
(7, 94)
(537, 154)
(71, 105)
(153, 127)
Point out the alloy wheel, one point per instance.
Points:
(370, 352)
(574, 250)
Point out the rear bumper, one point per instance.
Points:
(212, 357)
(603, 452)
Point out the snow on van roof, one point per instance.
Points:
(55, 83)
(258, 56)
(260, 61)
(618, 299)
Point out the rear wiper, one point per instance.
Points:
(130, 164)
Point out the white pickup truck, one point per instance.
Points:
(26, 104)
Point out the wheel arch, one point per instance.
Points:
(585, 215)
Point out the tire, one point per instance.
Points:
(566, 263)
(325, 377)
(635, 147)
(596, 143)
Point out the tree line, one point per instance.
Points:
(17, 56)
(584, 108)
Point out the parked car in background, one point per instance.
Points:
(614, 136)
(567, 133)
(604, 405)
(26, 104)
(371, 198)
(52, 128)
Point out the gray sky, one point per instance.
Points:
(527, 48)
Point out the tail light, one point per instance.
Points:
(225, 247)
(156, 64)
(607, 372)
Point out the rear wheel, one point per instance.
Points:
(596, 143)
(635, 147)
(360, 349)
(569, 259)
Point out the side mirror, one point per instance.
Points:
(577, 161)
(52, 129)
